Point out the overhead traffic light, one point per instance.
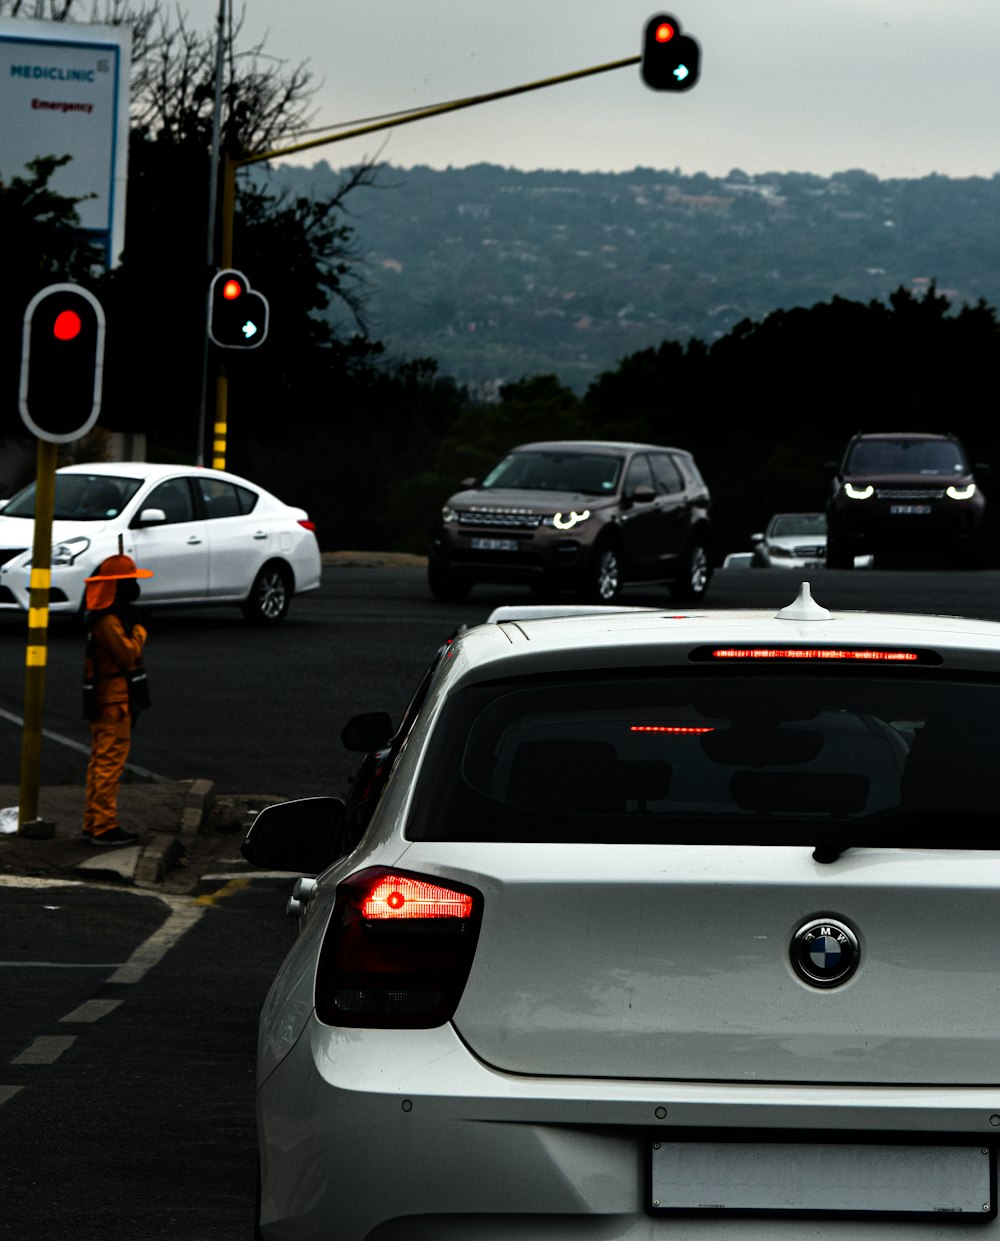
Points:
(62, 363)
(237, 316)
(670, 60)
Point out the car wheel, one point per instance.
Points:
(444, 585)
(602, 583)
(269, 596)
(839, 555)
(691, 584)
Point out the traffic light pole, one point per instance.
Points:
(36, 657)
(232, 164)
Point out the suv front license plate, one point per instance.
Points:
(823, 1178)
(494, 545)
(910, 510)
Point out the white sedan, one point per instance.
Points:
(664, 925)
(208, 536)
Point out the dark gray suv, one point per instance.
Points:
(905, 494)
(580, 515)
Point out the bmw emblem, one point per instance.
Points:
(825, 952)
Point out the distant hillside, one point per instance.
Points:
(499, 273)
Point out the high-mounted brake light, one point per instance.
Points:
(677, 730)
(817, 652)
(397, 951)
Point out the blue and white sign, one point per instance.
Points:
(64, 90)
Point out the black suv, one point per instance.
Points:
(903, 494)
(580, 515)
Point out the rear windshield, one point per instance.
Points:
(80, 497)
(679, 758)
(931, 457)
(589, 473)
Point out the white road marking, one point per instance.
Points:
(70, 744)
(59, 965)
(91, 1010)
(156, 947)
(225, 876)
(8, 1092)
(45, 1049)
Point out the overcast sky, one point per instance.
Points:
(901, 88)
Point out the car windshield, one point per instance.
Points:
(797, 523)
(674, 758)
(80, 497)
(933, 457)
(589, 473)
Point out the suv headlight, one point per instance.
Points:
(566, 521)
(448, 513)
(68, 550)
(859, 493)
(961, 493)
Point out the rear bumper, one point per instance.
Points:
(404, 1134)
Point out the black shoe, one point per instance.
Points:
(116, 836)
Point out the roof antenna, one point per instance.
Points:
(805, 608)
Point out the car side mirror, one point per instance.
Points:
(305, 836)
(756, 538)
(831, 469)
(467, 483)
(368, 732)
(3, 504)
(642, 495)
(150, 517)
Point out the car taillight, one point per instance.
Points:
(308, 525)
(398, 950)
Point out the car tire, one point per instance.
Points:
(839, 555)
(691, 583)
(444, 585)
(269, 597)
(602, 582)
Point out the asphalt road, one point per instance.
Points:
(127, 1058)
(260, 711)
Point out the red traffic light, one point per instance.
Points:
(670, 58)
(67, 326)
(231, 290)
(62, 363)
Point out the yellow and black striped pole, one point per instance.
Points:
(38, 636)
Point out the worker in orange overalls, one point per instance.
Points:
(117, 644)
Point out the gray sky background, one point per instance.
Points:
(901, 88)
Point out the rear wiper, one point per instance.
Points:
(932, 828)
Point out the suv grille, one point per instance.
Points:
(909, 493)
(510, 519)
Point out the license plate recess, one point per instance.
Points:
(909, 510)
(494, 545)
(950, 1180)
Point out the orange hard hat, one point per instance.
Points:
(117, 568)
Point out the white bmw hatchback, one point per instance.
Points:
(208, 536)
(665, 926)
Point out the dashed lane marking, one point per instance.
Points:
(8, 1092)
(59, 965)
(45, 1049)
(92, 1010)
(225, 876)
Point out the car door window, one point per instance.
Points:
(222, 499)
(668, 478)
(639, 475)
(174, 498)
